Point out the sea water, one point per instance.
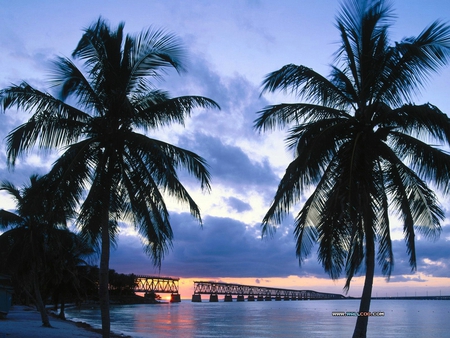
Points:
(270, 319)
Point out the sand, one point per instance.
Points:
(25, 322)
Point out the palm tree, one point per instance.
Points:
(26, 247)
(67, 255)
(362, 144)
(112, 100)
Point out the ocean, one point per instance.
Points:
(270, 319)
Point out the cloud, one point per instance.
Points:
(398, 279)
(223, 247)
(226, 247)
(238, 97)
(237, 205)
(433, 257)
(229, 164)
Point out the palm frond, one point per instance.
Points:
(429, 162)
(162, 158)
(52, 125)
(305, 232)
(99, 48)
(412, 61)
(428, 52)
(72, 82)
(157, 110)
(305, 83)
(382, 227)
(149, 212)
(148, 54)
(423, 121)
(413, 201)
(12, 190)
(285, 114)
(9, 219)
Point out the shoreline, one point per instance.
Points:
(25, 321)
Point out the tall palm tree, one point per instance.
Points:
(99, 117)
(26, 247)
(363, 145)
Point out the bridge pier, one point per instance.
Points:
(240, 298)
(251, 298)
(213, 297)
(260, 298)
(196, 298)
(228, 298)
(175, 298)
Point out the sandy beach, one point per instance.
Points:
(25, 322)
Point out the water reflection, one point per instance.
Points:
(402, 318)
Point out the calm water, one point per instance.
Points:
(403, 318)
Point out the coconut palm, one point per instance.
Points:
(67, 256)
(100, 115)
(28, 246)
(363, 146)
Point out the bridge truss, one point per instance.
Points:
(258, 292)
(152, 284)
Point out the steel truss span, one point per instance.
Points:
(156, 284)
(259, 292)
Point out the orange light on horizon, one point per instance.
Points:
(436, 285)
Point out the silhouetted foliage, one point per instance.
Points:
(121, 284)
(127, 172)
(364, 150)
(37, 249)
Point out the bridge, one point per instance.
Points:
(152, 284)
(259, 293)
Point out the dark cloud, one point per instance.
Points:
(237, 205)
(432, 256)
(229, 164)
(229, 248)
(225, 247)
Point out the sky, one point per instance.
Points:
(231, 45)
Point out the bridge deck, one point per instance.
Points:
(227, 289)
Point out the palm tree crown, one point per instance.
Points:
(114, 99)
(364, 149)
(30, 248)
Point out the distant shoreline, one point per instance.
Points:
(409, 297)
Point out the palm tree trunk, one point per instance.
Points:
(39, 303)
(364, 306)
(35, 286)
(62, 311)
(104, 279)
(105, 252)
